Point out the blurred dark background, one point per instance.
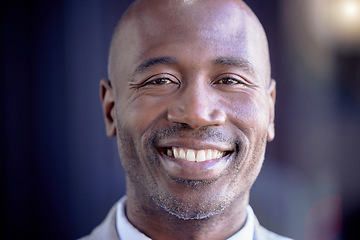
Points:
(61, 174)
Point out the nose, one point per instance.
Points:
(196, 107)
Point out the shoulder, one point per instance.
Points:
(261, 233)
(106, 230)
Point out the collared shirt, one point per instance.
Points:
(128, 231)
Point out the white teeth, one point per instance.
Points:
(176, 153)
(208, 154)
(190, 156)
(182, 154)
(215, 154)
(194, 155)
(201, 156)
(219, 154)
(169, 153)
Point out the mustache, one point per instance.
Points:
(204, 133)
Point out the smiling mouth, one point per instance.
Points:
(192, 155)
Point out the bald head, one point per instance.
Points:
(230, 23)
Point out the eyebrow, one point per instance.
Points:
(230, 61)
(239, 63)
(154, 61)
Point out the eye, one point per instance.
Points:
(159, 81)
(232, 82)
(228, 81)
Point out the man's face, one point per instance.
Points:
(193, 104)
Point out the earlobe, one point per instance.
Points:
(108, 105)
(272, 98)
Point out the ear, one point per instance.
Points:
(272, 97)
(108, 105)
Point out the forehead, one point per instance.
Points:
(197, 29)
(204, 19)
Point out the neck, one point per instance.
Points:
(158, 224)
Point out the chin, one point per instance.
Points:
(190, 211)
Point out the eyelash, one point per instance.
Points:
(158, 81)
(228, 79)
(155, 81)
(165, 80)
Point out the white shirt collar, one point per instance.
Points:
(127, 231)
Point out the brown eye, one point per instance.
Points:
(159, 81)
(228, 81)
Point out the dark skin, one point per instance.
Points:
(190, 76)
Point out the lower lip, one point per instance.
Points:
(206, 170)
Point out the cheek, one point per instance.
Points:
(134, 118)
(137, 155)
(251, 119)
(248, 114)
(139, 114)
